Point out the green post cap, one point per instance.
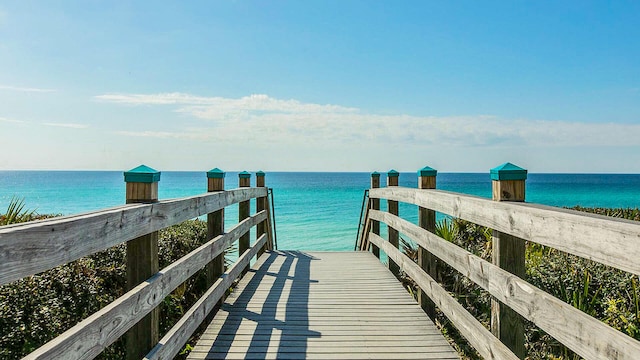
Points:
(142, 174)
(260, 173)
(393, 173)
(427, 171)
(508, 171)
(244, 175)
(215, 174)
(375, 174)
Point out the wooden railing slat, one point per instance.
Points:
(610, 241)
(89, 337)
(487, 345)
(587, 336)
(179, 334)
(31, 248)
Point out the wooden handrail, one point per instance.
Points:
(33, 247)
(580, 332)
(487, 345)
(610, 241)
(91, 336)
(574, 232)
(173, 341)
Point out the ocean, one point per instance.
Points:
(314, 211)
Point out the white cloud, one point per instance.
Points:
(260, 117)
(67, 125)
(25, 89)
(203, 105)
(3, 119)
(189, 134)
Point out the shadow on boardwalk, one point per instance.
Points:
(321, 305)
(290, 279)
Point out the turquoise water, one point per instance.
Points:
(314, 211)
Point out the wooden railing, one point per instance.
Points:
(610, 241)
(30, 248)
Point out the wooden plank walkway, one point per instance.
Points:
(321, 305)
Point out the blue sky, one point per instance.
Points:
(320, 85)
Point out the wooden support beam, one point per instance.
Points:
(375, 205)
(427, 221)
(215, 226)
(508, 184)
(244, 210)
(392, 207)
(142, 260)
(261, 204)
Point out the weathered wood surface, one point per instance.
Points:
(89, 337)
(426, 260)
(587, 336)
(179, 334)
(488, 346)
(375, 225)
(392, 234)
(261, 204)
(141, 192)
(613, 242)
(244, 210)
(30, 248)
(508, 253)
(215, 227)
(142, 261)
(322, 305)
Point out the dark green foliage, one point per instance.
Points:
(629, 214)
(16, 213)
(605, 293)
(36, 309)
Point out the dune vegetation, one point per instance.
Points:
(36, 309)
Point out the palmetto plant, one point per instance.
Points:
(447, 229)
(16, 213)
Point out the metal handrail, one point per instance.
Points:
(273, 219)
(365, 201)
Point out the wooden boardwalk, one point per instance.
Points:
(321, 305)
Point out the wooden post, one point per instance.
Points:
(427, 221)
(215, 225)
(244, 211)
(142, 260)
(508, 184)
(261, 204)
(392, 206)
(375, 205)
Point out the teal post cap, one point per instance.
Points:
(142, 174)
(393, 173)
(427, 171)
(244, 175)
(215, 174)
(508, 171)
(375, 174)
(260, 173)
